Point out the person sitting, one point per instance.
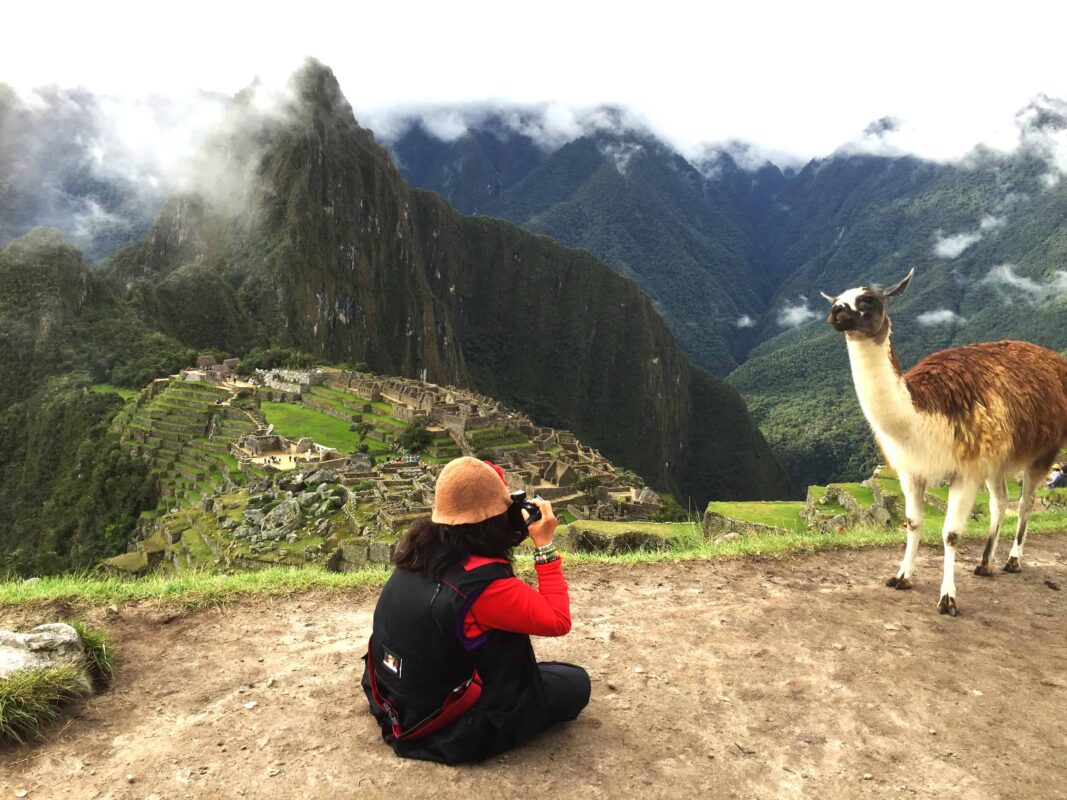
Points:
(450, 672)
(1058, 478)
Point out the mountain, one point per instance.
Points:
(630, 200)
(68, 494)
(735, 253)
(334, 255)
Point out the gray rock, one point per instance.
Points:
(283, 518)
(52, 645)
(322, 476)
(307, 498)
(292, 537)
(337, 502)
(254, 516)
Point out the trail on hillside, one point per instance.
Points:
(726, 679)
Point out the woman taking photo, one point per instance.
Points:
(451, 674)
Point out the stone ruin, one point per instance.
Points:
(208, 370)
(286, 385)
(550, 467)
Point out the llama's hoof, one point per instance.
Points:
(1013, 565)
(948, 606)
(984, 570)
(898, 583)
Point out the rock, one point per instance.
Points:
(49, 645)
(337, 502)
(322, 476)
(243, 531)
(228, 524)
(380, 552)
(254, 516)
(305, 444)
(307, 498)
(207, 504)
(292, 537)
(283, 518)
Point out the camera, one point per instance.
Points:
(519, 503)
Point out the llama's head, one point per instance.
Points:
(861, 312)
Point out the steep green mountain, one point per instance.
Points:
(632, 202)
(336, 256)
(68, 494)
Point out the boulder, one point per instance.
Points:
(283, 518)
(52, 645)
(322, 476)
(254, 516)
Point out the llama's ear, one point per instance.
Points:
(828, 298)
(898, 288)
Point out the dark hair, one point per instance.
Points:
(432, 549)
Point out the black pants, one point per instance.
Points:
(566, 690)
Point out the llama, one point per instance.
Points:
(969, 414)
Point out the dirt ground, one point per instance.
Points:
(738, 679)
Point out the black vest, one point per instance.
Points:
(420, 655)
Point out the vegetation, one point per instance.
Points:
(416, 437)
(30, 699)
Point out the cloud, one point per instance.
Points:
(793, 315)
(745, 321)
(621, 153)
(1013, 286)
(942, 316)
(953, 246)
(549, 125)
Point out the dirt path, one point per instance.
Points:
(797, 678)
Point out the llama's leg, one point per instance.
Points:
(914, 490)
(998, 503)
(1031, 479)
(960, 501)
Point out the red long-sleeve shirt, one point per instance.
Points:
(509, 604)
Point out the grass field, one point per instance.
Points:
(295, 421)
(784, 515)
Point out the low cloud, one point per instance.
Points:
(549, 125)
(745, 321)
(953, 246)
(621, 153)
(1015, 287)
(942, 316)
(793, 315)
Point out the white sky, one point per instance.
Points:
(797, 77)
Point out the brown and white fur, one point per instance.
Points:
(973, 414)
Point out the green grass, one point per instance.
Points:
(192, 589)
(198, 589)
(32, 698)
(784, 515)
(295, 421)
(864, 494)
(99, 654)
(107, 388)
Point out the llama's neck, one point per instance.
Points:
(880, 386)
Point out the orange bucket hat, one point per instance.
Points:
(469, 490)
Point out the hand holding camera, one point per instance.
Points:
(534, 517)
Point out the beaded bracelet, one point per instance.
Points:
(545, 554)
